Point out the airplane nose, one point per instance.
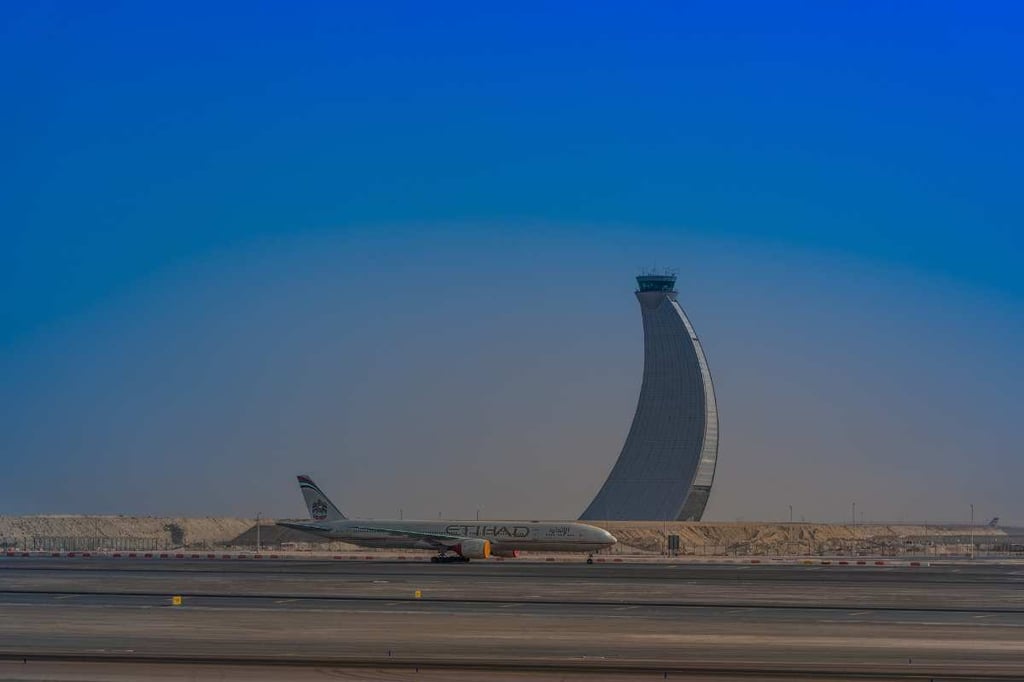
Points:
(608, 537)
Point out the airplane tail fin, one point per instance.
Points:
(319, 505)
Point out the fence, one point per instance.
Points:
(903, 547)
(84, 544)
(897, 547)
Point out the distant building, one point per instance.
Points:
(667, 465)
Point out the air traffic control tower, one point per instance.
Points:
(667, 465)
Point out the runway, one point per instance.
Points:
(716, 622)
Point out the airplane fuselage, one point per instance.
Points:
(465, 539)
(504, 536)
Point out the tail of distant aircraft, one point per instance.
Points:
(319, 505)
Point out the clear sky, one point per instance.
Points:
(392, 245)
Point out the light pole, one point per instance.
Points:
(972, 531)
(258, 532)
(853, 513)
(791, 513)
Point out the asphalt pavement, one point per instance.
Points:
(495, 619)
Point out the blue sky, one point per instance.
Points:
(186, 189)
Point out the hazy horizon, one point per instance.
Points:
(395, 250)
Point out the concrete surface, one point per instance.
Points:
(483, 621)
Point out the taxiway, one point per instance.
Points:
(720, 622)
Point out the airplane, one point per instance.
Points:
(454, 541)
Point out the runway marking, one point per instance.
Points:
(111, 651)
(627, 608)
(858, 613)
(285, 601)
(739, 610)
(508, 606)
(985, 615)
(918, 622)
(884, 622)
(68, 596)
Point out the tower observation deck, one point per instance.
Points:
(667, 464)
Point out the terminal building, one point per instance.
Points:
(667, 464)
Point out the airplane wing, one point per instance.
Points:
(308, 527)
(436, 539)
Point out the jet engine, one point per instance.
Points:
(505, 553)
(473, 548)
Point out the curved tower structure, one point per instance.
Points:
(667, 465)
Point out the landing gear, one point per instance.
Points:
(590, 559)
(449, 559)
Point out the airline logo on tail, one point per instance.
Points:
(319, 505)
(318, 510)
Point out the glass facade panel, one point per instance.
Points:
(667, 464)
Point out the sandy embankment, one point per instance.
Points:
(707, 538)
(713, 537)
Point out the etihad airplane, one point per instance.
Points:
(454, 541)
